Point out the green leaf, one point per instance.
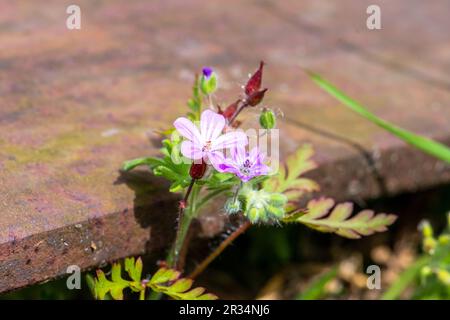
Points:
(115, 287)
(167, 281)
(133, 268)
(288, 180)
(318, 217)
(316, 289)
(164, 275)
(219, 180)
(427, 145)
(131, 164)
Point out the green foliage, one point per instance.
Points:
(115, 286)
(166, 281)
(318, 216)
(435, 275)
(316, 290)
(430, 272)
(288, 180)
(218, 181)
(171, 166)
(427, 145)
(195, 103)
(405, 279)
(145, 161)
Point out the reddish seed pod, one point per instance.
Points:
(198, 170)
(254, 83)
(256, 97)
(231, 109)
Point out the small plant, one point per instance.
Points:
(206, 155)
(431, 272)
(166, 281)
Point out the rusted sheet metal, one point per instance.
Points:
(75, 104)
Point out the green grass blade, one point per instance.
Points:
(405, 279)
(316, 290)
(427, 145)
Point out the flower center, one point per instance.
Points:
(245, 169)
(207, 146)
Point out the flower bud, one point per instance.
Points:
(256, 215)
(208, 81)
(231, 109)
(256, 97)
(278, 199)
(198, 170)
(267, 119)
(254, 83)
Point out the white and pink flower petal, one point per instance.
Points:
(191, 150)
(211, 125)
(188, 130)
(229, 140)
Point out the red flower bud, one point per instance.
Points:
(256, 97)
(254, 83)
(197, 170)
(231, 109)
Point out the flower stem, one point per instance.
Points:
(142, 294)
(241, 107)
(184, 222)
(205, 263)
(236, 193)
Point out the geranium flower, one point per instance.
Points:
(244, 165)
(208, 143)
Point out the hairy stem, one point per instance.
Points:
(239, 109)
(236, 193)
(184, 222)
(205, 263)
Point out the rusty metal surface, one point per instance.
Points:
(75, 104)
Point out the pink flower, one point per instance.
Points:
(208, 142)
(244, 165)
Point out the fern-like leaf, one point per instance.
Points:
(115, 286)
(168, 281)
(288, 180)
(318, 217)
